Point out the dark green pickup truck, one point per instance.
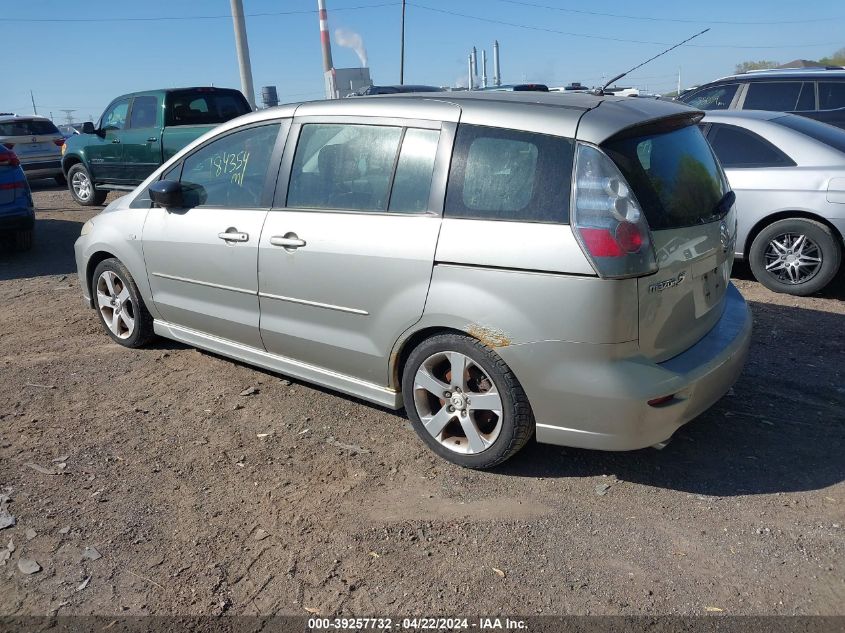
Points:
(137, 133)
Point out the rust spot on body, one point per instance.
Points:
(490, 336)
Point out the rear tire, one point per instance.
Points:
(119, 304)
(795, 256)
(82, 188)
(465, 402)
(23, 240)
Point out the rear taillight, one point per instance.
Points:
(19, 184)
(59, 141)
(607, 219)
(9, 159)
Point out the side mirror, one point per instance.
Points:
(88, 128)
(167, 194)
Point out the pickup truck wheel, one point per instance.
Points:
(82, 187)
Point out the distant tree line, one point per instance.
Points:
(836, 59)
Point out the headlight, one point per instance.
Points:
(86, 228)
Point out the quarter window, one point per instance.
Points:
(230, 171)
(715, 98)
(347, 167)
(831, 95)
(778, 96)
(500, 174)
(115, 117)
(736, 147)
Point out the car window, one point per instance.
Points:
(715, 98)
(807, 97)
(831, 95)
(115, 117)
(230, 171)
(500, 174)
(200, 107)
(412, 182)
(144, 112)
(779, 96)
(828, 134)
(736, 147)
(27, 127)
(673, 174)
(346, 167)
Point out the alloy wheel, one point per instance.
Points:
(793, 258)
(81, 185)
(115, 304)
(458, 403)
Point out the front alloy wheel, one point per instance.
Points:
(115, 305)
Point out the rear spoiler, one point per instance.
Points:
(618, 117)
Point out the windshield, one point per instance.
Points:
(674, 175)
(27, 127)
(827, 134)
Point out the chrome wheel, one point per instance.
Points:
(793, 258)
(458, 403)
(81, 186)
(115, 304)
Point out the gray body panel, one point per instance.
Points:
(814, 187)
(339, 308)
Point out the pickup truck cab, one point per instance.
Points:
(137, 133)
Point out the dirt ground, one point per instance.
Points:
(142, 482)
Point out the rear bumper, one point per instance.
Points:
(17, 220)
(596, 396)
(42, 168)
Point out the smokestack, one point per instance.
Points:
(469, 72)
(497, 73)
(483, 68)
(474, 62)
(325, 39)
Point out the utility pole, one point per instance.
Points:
(402, 49)
(34, 109)
(242, 47)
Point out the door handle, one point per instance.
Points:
(152, 139)
(289, 241)
(233, 235)
(115, 140)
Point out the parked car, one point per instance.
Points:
(37, 144)
(137, 133)
(392, 90)
(816, 93)
(788, 173)
(17, 213)
(321, 241)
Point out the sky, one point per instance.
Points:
(81, 55)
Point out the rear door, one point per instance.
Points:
(105, 149)
(680, 187)
(346, 257)
(202, 259)
(141, 139)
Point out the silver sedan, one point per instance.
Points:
(788, 173)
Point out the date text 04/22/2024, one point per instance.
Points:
(416, 624)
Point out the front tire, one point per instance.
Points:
(82, 189)
(795, 256)
(119, 304)
(464, 401)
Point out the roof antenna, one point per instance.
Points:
(601, 91)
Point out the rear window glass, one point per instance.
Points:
(27, 127)
(831, 95)
(781, 96)
(736, 147)
(674, 175)
(827, 134)
(500, 174)
(204, 108)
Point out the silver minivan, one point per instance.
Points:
(503, 265)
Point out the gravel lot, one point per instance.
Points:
(296, 500)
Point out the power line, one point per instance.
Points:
(653, 19)
(607, 38)
(227, 16)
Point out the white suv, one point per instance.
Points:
(37, 143)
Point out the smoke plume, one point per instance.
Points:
(351, 39)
